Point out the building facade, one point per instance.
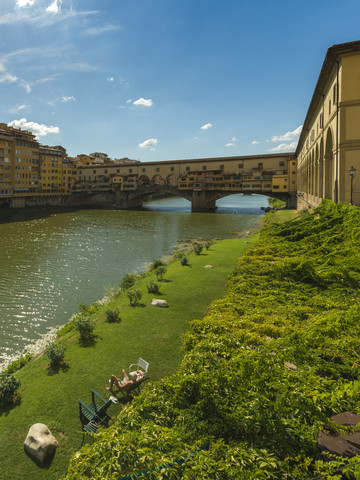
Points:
(330, 140)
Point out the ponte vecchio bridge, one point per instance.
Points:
(201, 181)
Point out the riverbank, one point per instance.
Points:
(50, 397)
(262, 372)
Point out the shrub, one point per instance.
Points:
(55, 353)
(198, 249)
(112, 316)
(156, 263)
(8, 387)
(128, 281)
(85, 326)
(153, 287)
(160, 272)
(184, 261)
(207, 245)
(88, 309)
(134, 296)
(18, 363)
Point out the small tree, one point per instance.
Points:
(8, 387)
(156, 263)
(134, 296)
(128, 281)
(184, 261)
(85, 326)
(207, 245)
(55, 353)
(198, 249)
(112, 316)
(153, 287)
(160, 272)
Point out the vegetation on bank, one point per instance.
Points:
(51, 384)
(267, 367)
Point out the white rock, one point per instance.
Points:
(159, 303)
(40, 443)
(208, 266)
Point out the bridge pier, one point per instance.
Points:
(203, 201)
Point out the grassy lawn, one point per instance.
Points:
(150, 332)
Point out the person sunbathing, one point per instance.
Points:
(126, 381)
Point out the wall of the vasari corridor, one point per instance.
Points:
(330, 140)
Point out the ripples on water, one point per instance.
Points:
(50, 265)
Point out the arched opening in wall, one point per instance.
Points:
(238, 202)
(144, 180)
(312, 161)
(321, 169)
(157, 180)
(329, 166)
(316, 172)
(171, 180)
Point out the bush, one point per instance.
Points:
(156, 263)
(207, 245)
(198, 249)
(160, 272)
(128, 281)
(112, 316)
(184, 261)
(85, 326)
(55, 353)
(134, 296)
(153, 287)
(88, 309)
(8, 387)
(18, 363)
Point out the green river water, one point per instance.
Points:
(50, 264)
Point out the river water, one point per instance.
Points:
(52, 263)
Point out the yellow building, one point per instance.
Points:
(51, 161)
(19, 162)
(330, 140)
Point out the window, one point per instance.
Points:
(130, 170)
(240, 165)
(260, 165)
(329, 107)
(321, 120)
(144, 170)
(157, 169)
(204, 167)
(312, 135)
(172, 169)
(281, 164)
(221, 167)
(187, 169)
(105, 171)
(335, 93)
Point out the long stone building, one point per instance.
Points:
(329, 144)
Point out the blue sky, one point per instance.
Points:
(166, 79)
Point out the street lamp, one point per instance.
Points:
(351, 172)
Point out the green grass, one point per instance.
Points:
(150, 332)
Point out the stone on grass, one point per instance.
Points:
(40, 444)
(159, 303)
(208, 266)
(346, 444)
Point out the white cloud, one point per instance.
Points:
(129, 101)
(18, 109)
(39, 130)
(100, 30)
(284, 147)
(7, 77)
(110, 79)
(206, 126)
(255, 142)
(55, 7)
(23, 3)
(144, 103)
(152, 142)
(288, 136)
(230, 144)
(68, 99)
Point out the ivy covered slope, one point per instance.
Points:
(261, 373)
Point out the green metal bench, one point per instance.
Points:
(94, 415)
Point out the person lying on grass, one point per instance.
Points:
(125, 382)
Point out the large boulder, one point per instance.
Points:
(40, 444)
(344, 444)
(159, 303)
